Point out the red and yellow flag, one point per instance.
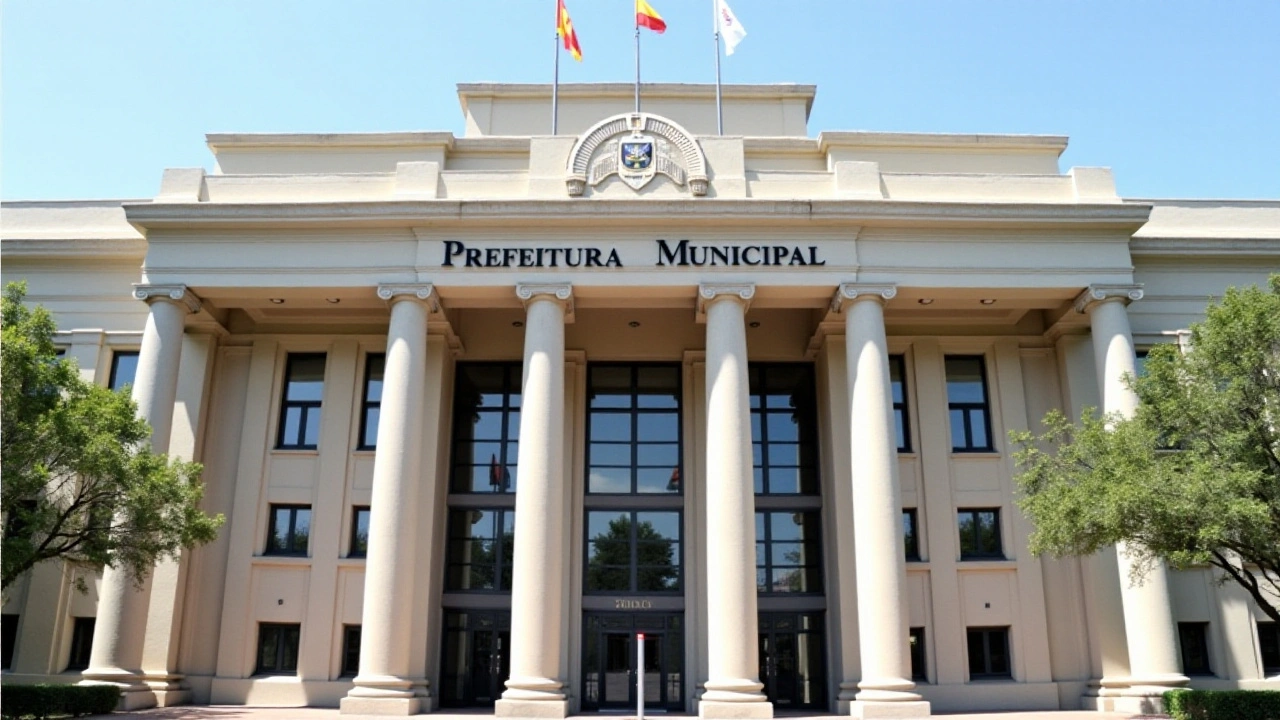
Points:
(564, 28)
(647, 17)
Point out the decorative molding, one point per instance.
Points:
(179, 294)
(1099, 293)
(738, 292)
(672, 152)
(848, 292)
(425, 292)
(560, 292)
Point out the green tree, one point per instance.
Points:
(1194, 477)
(79, 483)
(609, 565)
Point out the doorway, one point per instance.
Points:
(609, 661)
(477, 661)
(793, 661)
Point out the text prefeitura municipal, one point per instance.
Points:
(682, 253)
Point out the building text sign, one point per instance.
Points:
(666, 253)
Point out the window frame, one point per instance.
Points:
(512, 387)
(280, 630)
(759, 407)
(1200, 631)
(500, 560)
(81, 646)
(918, 652)
(815, 564)
(353, 549)
(998, 554)
(113, 376)
(635, 411)
(367, 405)
(1270, 628)
(901, 409)
(308, 407)
(911, 540)
(987, 634)
(967, 407)
(291, 549)
(633, 566)
(346, 669)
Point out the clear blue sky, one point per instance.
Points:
(1180, 97)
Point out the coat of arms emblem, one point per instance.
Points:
(637, 147)
(635, 160)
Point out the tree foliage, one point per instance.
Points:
(79, 482)
(1194, 477)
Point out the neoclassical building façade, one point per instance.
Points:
(486, 412)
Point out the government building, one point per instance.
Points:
(488, 415)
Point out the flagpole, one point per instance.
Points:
(555, 80)
(715, 24)
(637, 64)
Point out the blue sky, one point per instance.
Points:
(1180, 97)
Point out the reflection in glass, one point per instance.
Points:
(480, 549)
(633, 429)
(788, 558)
(784, 429)
(633, 551)
(486, 427)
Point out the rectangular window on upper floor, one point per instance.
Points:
(784, 428)
(980, 534)
(486, 427)
(359, 531)
(968, 404)
(371, 406)
(911, 534)
(898, 385)
(124, 368)
(300, 406)
(788, 552)
(289, 530)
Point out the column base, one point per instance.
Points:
(169, 698)
(735, 710)
(136, 699)
(870, 709)
(134, 694)
(395, 707)
(531, 708)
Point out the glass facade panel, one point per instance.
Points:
(486, 427)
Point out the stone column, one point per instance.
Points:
(121, 626)
(384, 685)
(885, 690)
(733, 685)
(1154, 661)
(534, 689)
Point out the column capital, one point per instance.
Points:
(1101, 293)
(411, 291)
(709, 293)
(559, 292)
(177, 294)
(851, 292)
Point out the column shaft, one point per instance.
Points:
(121, 624)
(1154, 664)
(885, 689)
(534, 688)
(733, 685)
(383, 685)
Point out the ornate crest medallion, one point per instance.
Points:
(637, 148)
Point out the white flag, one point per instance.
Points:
(730, 29)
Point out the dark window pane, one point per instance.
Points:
(373, 384)
(657, 386)
(306, 377)
(124, 368)
(360, 532)
(965, 380)
(1269, 646)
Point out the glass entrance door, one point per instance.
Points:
(792, 660)
(609, 660)
(476, 657)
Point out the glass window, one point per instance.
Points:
(124, 368)
(8, 639)
(919, 669)
(910, 534)
(788, 552)
(288, 530)
(81, 643)
(300, 409)
(486, 427)
(784, 437)
(278, 648)
(968, 405)
(1269, 647)
(898, 385)
(371, 406)
(481, 543)
(980, 534)
(633, 429)
(350, 650)
(633, 551)
(1193, 638)
(359, 532)
(989, 653)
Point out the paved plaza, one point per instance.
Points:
(238, 712)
